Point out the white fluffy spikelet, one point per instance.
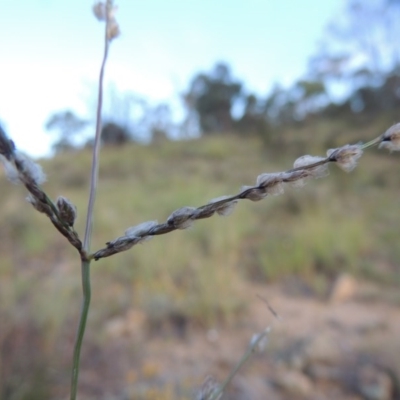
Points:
(36, 204)
(346, 156)
(10, 170)
(297, 179)
(255, 193)
(67, 210)
(113, 30)
(141, 230)
(271, 182)
(391, 138)
(100, 11)
(224, 209)
(259, 341)
(182, 218)
(106, 12)
(123, 243)
(320, 171)
(30, 169)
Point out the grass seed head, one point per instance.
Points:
(346, 156)
(226, 208)
(254, 193)
(67, 210)
(37, 205)
(182, 218)
(113, 30)
(271, 182)
(141, 229)
(320, 171)
(99, 11)
(29, 171)
(391, 138)
(7, 146)
(10, 171)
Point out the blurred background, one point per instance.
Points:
(200, 98)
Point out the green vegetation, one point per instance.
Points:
(342, 222)
(199, 277)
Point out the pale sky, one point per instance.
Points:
(50, 52)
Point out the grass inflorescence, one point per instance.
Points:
(202, 281)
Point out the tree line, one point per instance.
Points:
(359, 58)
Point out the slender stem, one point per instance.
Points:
(81, 327)
(96, 151)
(85, 266)
(250, 350)
(372, 143)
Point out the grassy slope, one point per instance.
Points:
(343, 222)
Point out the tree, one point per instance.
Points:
(212, 96)
(135, 118)
(358, 58)
(254, 119)
(279, 107)
(68, 125)
(360, 46)
(312, 97)
(114, 134)
(160, 123)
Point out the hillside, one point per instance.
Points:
(186, 281)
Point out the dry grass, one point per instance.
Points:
(331, 225)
